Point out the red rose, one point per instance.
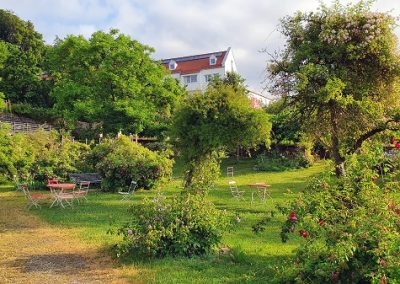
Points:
(293, 217)
(303, 233)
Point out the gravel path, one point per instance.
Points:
(32, 251)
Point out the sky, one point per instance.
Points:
(180, 28)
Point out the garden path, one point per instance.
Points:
(32, 251)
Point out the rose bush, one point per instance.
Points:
(350, 226)
(185, 225)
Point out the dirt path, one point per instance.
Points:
(32, 251)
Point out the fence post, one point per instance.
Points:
(86, 141)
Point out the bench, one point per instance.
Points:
(93, 178)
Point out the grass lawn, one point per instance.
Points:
(252, 257)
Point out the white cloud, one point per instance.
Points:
(178, 27)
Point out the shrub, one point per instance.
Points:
(119, 161)
(186, 225)
(55, 154)
(350, 226)
(39, 155)
(275, 161)
(40, 114)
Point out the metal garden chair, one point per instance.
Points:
(236, 193)
(82, 191)
(33, 198)
(126, 195)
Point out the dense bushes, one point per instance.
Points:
(39, 155)
(350, 226)
(186, 225)
(275, 161)
(120, 161)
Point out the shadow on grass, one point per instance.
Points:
(58, 262)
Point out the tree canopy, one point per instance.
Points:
(21, 61)
(112, 80)
(340, 69)
(220, 119)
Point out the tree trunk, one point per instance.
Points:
(337, 158)
(189, 177)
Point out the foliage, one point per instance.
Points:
(185, 225)
(110, 79)
(231, 79)
(119, 161)
(55, 154)
(340, 69)
(286, 127)
(275, 161)
(39, 155)
(22, 51)
(220, 119)
(37, 113)
(350, 226)
(2, 103)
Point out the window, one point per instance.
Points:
(213, 60)
(209, 77)
(190, 79)
(172, 65)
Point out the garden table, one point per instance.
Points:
(262, 190)
(59, 195)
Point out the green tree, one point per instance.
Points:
(111, 79)
(340, 69)
(21, 59)
(232, 79)
(286, 127)
(220, 119)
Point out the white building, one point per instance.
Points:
(196, 71)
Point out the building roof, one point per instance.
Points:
(196, 63)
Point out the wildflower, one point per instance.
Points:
(130, 232)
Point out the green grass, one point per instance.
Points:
(253, 255)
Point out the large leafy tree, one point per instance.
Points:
(340, 68)
(112, 80)
(21, 59)
(220, 119)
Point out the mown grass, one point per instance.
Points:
(253, 255)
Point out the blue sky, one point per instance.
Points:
(177, 27)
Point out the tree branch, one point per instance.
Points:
(371, 133)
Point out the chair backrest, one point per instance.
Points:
(132, 186)
(229, 171)
(84, 185)
(233, 187)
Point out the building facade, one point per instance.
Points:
(196, 71)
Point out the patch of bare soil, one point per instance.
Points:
(32, 251)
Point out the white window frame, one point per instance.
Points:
(209, 77)
(187, 79)
(213, 60)
(172, 65)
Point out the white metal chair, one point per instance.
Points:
(229, 171)
(83, 190)
(236, 193)
(131, 190)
